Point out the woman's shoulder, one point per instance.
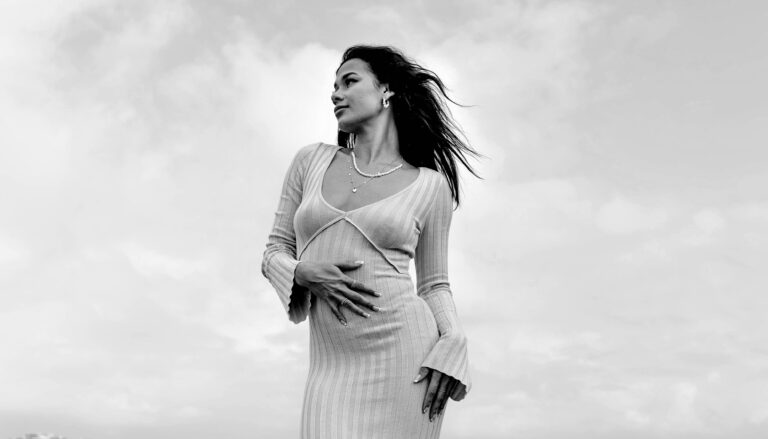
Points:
(310, 151)
(430, 172)
(314, 147)
(437, 185)
(437, 178)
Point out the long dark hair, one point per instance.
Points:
(427, 134)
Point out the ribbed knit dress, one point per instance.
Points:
(360, 380)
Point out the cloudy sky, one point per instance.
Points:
(608, 269)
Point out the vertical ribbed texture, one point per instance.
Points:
(279, 261)
(360, 380)
(450, 353)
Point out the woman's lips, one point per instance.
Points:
(336, 110)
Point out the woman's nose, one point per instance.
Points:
(335, 97)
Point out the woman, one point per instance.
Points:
(384, 356)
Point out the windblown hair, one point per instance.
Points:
(427, 134)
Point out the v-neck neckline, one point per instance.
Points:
(346, 212)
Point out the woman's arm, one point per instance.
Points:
(449, 355)
(279, 260)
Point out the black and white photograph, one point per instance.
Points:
(486, 219)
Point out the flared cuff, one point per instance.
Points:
(449, 356)
(280, 269)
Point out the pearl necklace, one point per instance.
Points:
(371, 176)
(378, 174)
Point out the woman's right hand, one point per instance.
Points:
(328, 283)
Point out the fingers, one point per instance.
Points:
(440, 397)
(439, 388)
(337, 312)
(353, 307)
(358, 299)
(355, 285)
(452, 383)
(432, 387)
(343, 302)
(344, 298)
(359, 286)
(423, 372)
(349, 265)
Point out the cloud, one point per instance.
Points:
(709, 221)
(128, 258)
(750, 212)
(380, 15)
(150, 262)
(13, 256)
(622, 216)
(278, 95)
(141, 143)
(546, 348)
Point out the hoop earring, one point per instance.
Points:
(351, 141)
(384, 102)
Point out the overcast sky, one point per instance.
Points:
(609, 270)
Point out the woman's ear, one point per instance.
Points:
(387, 92)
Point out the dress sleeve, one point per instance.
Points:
(279, 260)
(449, 355)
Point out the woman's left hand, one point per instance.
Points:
(439, 388)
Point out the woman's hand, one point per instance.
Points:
(328, 283)
(439, 388)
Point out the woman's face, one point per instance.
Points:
(356, 97)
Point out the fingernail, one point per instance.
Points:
(377, 308)
(377, 294)
(366, 315)
(359, 262)
(344, 323)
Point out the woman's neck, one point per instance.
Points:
(377, 144)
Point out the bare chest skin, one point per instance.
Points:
(337, 189)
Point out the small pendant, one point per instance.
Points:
(354, 189)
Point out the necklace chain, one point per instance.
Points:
(370, 176)
(378, 174)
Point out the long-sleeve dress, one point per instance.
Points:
(360, 380)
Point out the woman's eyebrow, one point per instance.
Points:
(344, 76)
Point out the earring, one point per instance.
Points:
(351, 141)
(384, 102)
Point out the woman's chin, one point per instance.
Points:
(345, 127)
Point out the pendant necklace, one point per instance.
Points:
(353, 163)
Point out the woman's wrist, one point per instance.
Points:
(296, 275)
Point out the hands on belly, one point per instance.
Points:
(329, 283)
